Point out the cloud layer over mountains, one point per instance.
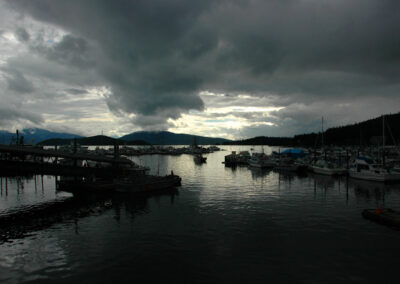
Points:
(152, 59)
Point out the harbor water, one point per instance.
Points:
(223, 225)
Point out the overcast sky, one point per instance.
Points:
(222, 68)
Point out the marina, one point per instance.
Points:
(257, 214)
(195, 142)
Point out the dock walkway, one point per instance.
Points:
(24, 159)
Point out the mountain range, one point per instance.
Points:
(44, 137)
(169, 138)
(34, 136)
(363, 133)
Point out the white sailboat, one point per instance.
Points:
(322, 166)
(327, 168)
(367, 169)
(261, 161)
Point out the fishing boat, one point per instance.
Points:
(75, 184)
(235, 159)
(260, 160)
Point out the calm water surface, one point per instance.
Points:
(231, 225)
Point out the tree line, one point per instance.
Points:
(365, 133)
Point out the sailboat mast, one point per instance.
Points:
(383, 139)
(322, 132)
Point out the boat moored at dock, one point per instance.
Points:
(365, 168)
(260, 160)
(235, 159)
(146, 183)
(327, 168)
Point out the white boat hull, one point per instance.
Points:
(261, 164)
(328, 171)
(367, 175)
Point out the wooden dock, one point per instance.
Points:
(18, 159)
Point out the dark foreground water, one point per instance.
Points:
(224, 225)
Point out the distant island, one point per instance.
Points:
(363, 133)
(97, 140)
(169, 138)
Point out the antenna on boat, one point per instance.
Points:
(322, 132)
(383, 140)
(322, 139)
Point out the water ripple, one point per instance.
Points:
(226, 225)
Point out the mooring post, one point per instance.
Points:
(116, 154)
(56, 148)
(75, 150)
(116, 150)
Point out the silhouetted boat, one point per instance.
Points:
(387, 216)
(146, 183)
(198, 158)
(235, 159)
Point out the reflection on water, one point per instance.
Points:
(222, 225)
(259, 172)
(379, 194)
(19, 192)
(31, 259)
(136, 205)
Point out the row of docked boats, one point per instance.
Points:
(359, 167)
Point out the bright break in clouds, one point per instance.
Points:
(215, 67)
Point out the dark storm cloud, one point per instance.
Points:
(22, 34)
(37, 64)
(70, 50)
(12, 114)
(18, 83)
(157, 55)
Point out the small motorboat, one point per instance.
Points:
(199, 159)
(384, 216)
